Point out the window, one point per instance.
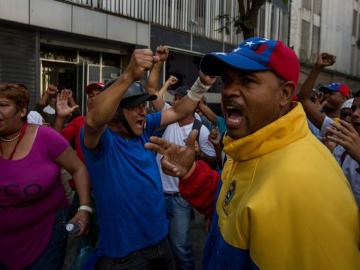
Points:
(306, 4)
(284, 30)
(317, 6)
(305, 36)
(315, 42)
(274, 23)
(261, 25)
(355, 16)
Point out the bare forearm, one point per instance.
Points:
(306, 88)
(153, 82)
(82, 185)
(44, 99)
(160, 102)
(106, 104)
(59, 123)
(207, 112)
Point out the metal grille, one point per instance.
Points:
(196, 16)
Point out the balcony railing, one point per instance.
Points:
(195, 16)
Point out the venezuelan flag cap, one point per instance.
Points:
(255, 54)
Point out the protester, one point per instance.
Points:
(334, 95)
(72, 130)
(125, 177)
(47, 105)
(347, 153)
(283, 202)
(179, 211)
(213, 117)
(33, 206)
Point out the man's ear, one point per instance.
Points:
(287, 91)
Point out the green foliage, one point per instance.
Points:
(246, 20)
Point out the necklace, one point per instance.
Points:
(12, 139)
(18, 137)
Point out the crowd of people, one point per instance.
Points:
(276, 177)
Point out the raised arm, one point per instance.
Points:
(205, 109)
(311, 109)
(63, 109)
(188, 104)
(153, 82)
(44, 100)
(106, 103)
(160, 101)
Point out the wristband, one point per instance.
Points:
(85, 208)
(198, 90)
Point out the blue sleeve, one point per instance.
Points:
(153, 121)
(220, 122)
(104, 144)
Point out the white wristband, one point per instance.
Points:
(198, 90)
(85, 208)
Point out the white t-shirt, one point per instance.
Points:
(178, 134)
(349, 167)
(325, 124)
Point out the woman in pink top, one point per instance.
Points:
(33, 206)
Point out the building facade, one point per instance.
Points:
(328, 26)
(71, 43)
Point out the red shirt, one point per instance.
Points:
(72, 133)
(200, 188)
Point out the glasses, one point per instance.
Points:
(141, 106)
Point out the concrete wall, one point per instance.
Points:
(70, 18)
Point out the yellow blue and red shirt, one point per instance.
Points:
(283, 203)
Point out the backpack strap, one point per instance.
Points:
(197, 125)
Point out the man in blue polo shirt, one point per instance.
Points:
(125, 178)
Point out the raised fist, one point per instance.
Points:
(325, 60)
(141, 61)
(162, 52)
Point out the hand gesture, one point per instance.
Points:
(162, 52)
(62, 107)
(325, 60)
(214, 136)
(141, 60)
(207, 80)
(52, 90)
(177, 160)
(172, 80)
(83, 219)
(344, 133)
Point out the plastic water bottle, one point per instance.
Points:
(72, 228)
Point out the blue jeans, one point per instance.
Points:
(179, 216)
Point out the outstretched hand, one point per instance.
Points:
(344, 133)
(62, 106)
(177, 160)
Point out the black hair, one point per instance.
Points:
(357, 94)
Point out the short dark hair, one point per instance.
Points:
(357, 94)
(17, 93)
